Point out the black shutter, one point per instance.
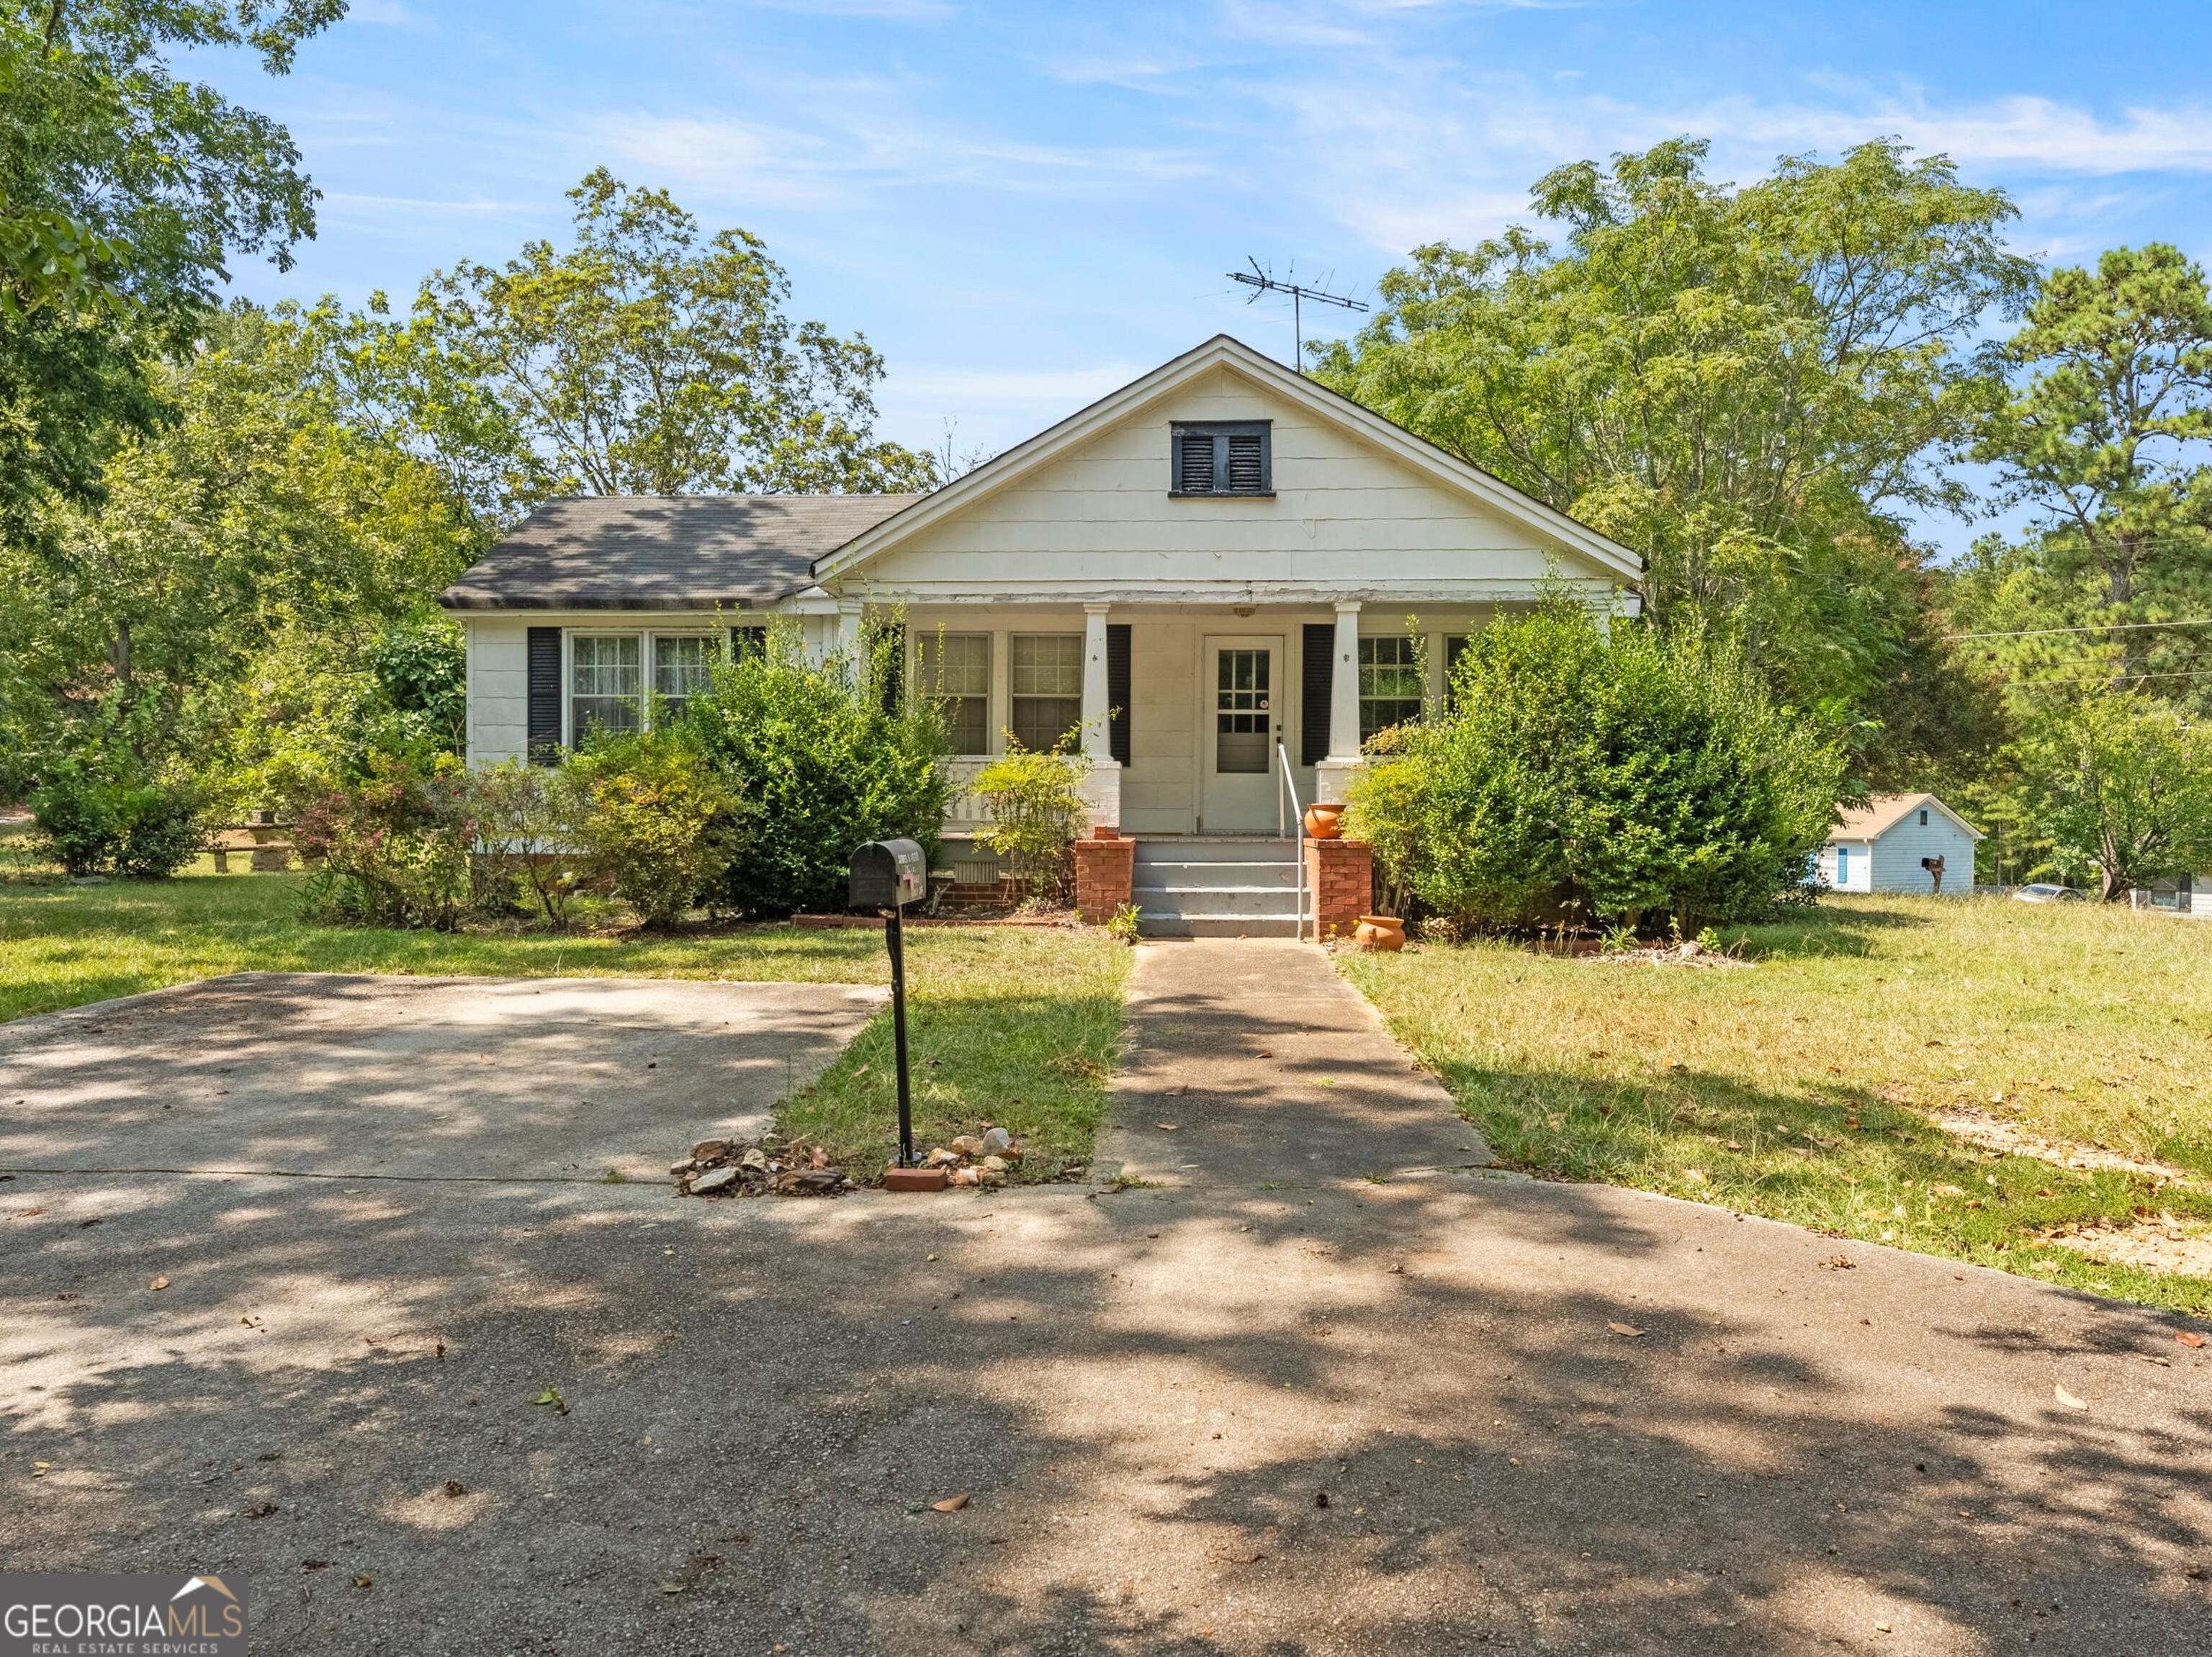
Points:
(1193, 460)
(1319, 655)
(1248, 464)
(545, 687)
(1117, 689)
(889, 649)
(747, 641)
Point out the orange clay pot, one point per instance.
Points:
(1383, 932)
(1324, 822)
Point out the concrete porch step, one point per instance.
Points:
(1273, 876)
(1219, 926)
(1215, 899)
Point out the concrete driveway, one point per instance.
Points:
(413, 1078)
(1265, 1403)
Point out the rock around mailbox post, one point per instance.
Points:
(886, 875)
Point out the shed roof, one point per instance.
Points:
(1884, 812)
(665, 551)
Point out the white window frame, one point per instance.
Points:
(1015, 697)
(920, 671)
(648, 639)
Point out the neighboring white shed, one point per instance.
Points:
(1901, 843)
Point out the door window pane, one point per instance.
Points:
(603, 683)
(1243, 710)
(955, 670)
(1389, 684)
(682, 667)
(1046, 670)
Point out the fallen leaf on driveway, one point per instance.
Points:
(2067, 1398)
(951, 1504)
(1165, 1127)
(2188, 1339)
(1629, 1330)
(455, 1487)
(159, 1282)
(1839, 1262)
(551, 1396)
(362, 1581)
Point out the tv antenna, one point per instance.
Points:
(1264, 282)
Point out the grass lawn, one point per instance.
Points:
(1810, 1086)
(1013, 1026)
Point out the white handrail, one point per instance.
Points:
(1298, 818)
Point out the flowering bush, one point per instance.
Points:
(393, 850)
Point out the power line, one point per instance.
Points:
(2100, 627)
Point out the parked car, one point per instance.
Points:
(2044, 892)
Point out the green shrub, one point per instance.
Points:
(822, 760)
(1636, 780)
(139, 828)
(525, 852)
(653, 819)
(1037, 813)
(392, 851)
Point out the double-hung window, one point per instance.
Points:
(1389, 684)
(605, 684)
(683, 666)
(1048, 687)
(954, 671)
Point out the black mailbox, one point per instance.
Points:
(888, 874)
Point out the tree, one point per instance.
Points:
(124, 190)
(2104, 439)
(648, 360)
(257, 522)
(1750, 387)
(2121, 785)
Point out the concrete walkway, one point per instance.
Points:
(1268, 1406)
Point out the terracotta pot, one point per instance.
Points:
(1383, 932)
(1324, 822)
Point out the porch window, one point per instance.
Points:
(1048, 687)
(1455, 648)
(956, 671)
(605, 684)
(682, 667)
(1389, 684)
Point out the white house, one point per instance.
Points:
(1220, 567)
(1901, 843)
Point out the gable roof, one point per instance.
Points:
(1218, 352)
(1885, 811)
(665, 551)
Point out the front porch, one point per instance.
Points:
(1199, 721)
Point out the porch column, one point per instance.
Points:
(849, 612)
(1104, 790)
(1332, 775)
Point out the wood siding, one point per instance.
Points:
(1345, 517)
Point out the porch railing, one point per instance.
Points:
(1298, 838)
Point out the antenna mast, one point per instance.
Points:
(1264, 282)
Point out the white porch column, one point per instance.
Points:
(1103, 789)
(848, 629)
(1334, 774)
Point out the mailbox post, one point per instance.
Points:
(886, 875)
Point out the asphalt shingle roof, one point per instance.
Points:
(665, 551)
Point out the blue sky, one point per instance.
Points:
(1024, 205)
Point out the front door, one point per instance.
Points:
(1243, 723)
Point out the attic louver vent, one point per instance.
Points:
(1248, 465)
(1222, 457)
(1193, 472)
